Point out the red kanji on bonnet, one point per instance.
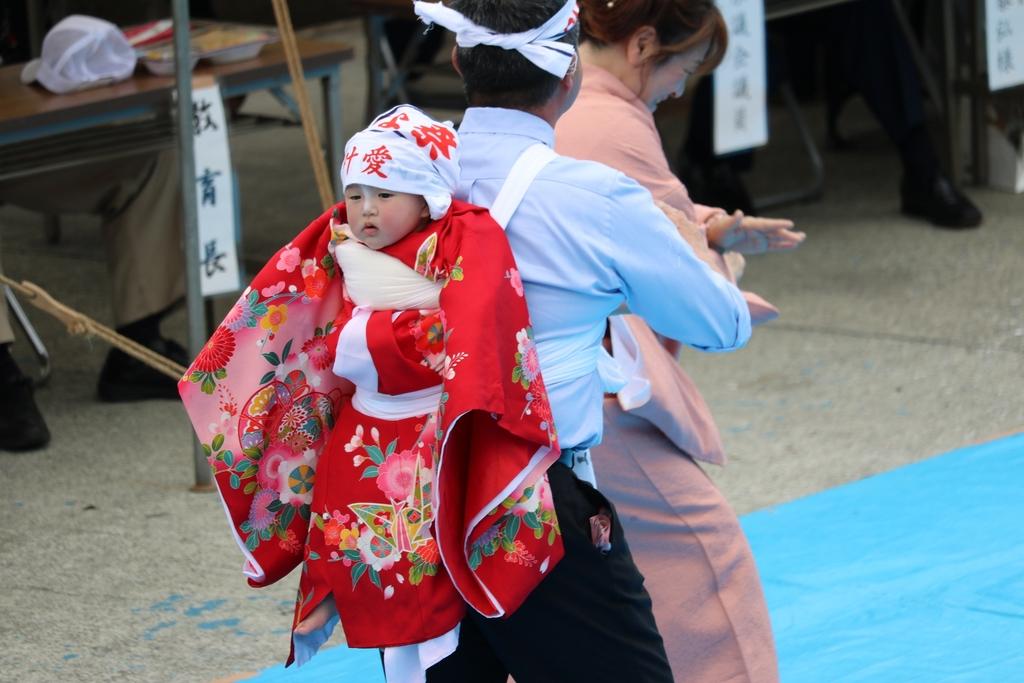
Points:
(392, 123)
(375, 160)
(439, 138)
(349, 157)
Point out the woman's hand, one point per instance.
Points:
(752, 235)
(694, 235)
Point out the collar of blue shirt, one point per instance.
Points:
(507, 122)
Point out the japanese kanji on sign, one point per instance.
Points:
(215, 190)
(741, 109)
(1004, 36)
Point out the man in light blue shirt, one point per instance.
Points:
(587, 240)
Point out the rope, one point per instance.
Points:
(291, 53)
(81, 324)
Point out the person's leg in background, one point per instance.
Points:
(139, 201)
(865, 45)
(865, 53)
(714, 180)
(21, 424)
(143, 232)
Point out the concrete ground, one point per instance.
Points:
(897, 342)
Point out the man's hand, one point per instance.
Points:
(752, 235)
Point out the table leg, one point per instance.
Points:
(30, 332)
(333, 126)
(399, 70)
(36, 11)
(186, 159)
(374, 65)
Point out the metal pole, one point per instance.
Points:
(186, 166)
(374, 65)
(333, 125)
(37, 12)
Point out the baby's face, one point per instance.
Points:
(378, 218)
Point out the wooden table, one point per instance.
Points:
(42, 131)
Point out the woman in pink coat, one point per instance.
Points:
(685, 537)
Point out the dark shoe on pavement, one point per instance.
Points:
(22, 427)
(936, 200)
(124, 379)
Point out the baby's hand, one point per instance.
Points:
(339, 232)
(316, 620)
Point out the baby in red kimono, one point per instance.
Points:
(422, 489)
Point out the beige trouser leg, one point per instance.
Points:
(6, 333)
(144, 245)
(139, 199)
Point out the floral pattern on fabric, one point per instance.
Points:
(530, 510)
(430, 335)
(407, 512)
(274, 350)
(385, 537)
(505, 419)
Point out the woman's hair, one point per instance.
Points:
(680, 24)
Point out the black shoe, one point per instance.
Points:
(936, 200)
(22, 427)
(125, 379)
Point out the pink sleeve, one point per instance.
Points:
(706, 213)
(761, 311)
(609, 130)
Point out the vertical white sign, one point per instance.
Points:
(215, 194)
(1004, 38)
(741, 81)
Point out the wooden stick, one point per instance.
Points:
(291, 52)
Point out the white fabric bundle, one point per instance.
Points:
(381, 282)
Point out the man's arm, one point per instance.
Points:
(665, 282)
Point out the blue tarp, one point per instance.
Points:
(912, 576)
(338, 664)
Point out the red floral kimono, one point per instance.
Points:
(396, 515)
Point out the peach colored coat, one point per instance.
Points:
(685, 537)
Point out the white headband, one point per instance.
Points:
(539, 45)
